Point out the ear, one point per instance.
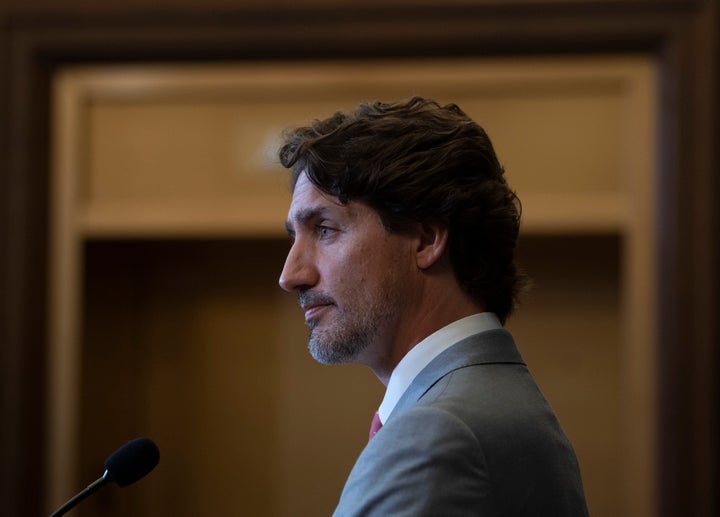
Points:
(432, 244)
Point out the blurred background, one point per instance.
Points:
(142, 237)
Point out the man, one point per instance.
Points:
(403, 234)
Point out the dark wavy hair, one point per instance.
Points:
(417, 161)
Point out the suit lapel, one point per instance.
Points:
(489, 347)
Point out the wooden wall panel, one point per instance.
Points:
(148, 152)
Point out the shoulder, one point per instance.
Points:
(428, 462)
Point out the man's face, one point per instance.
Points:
(352, 276)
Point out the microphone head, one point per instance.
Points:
(132, 461)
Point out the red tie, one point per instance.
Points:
(375, 425)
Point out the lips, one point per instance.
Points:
(312, 311)
(313, 304)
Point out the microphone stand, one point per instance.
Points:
(90, 489)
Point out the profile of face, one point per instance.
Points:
(354, 279)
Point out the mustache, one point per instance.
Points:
(314, 298)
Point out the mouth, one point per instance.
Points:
(312, 312)
(314, 306)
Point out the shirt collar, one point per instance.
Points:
(428, 349)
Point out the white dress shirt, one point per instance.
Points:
(428, 349)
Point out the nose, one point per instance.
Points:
(298, 271)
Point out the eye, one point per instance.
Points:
(324, 231)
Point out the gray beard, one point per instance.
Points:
(355, 331)
(331, 348)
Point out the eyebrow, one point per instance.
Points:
(303, 216)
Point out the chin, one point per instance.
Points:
(336, 350)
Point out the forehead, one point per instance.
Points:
(307, 196)
(309, 203)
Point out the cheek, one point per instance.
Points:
(368, 265)
(390, 263)
(343, 271)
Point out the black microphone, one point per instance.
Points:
(126, 465)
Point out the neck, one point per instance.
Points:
(437, 312)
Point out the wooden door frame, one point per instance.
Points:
(681, 35)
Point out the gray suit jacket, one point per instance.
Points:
(472, 436)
